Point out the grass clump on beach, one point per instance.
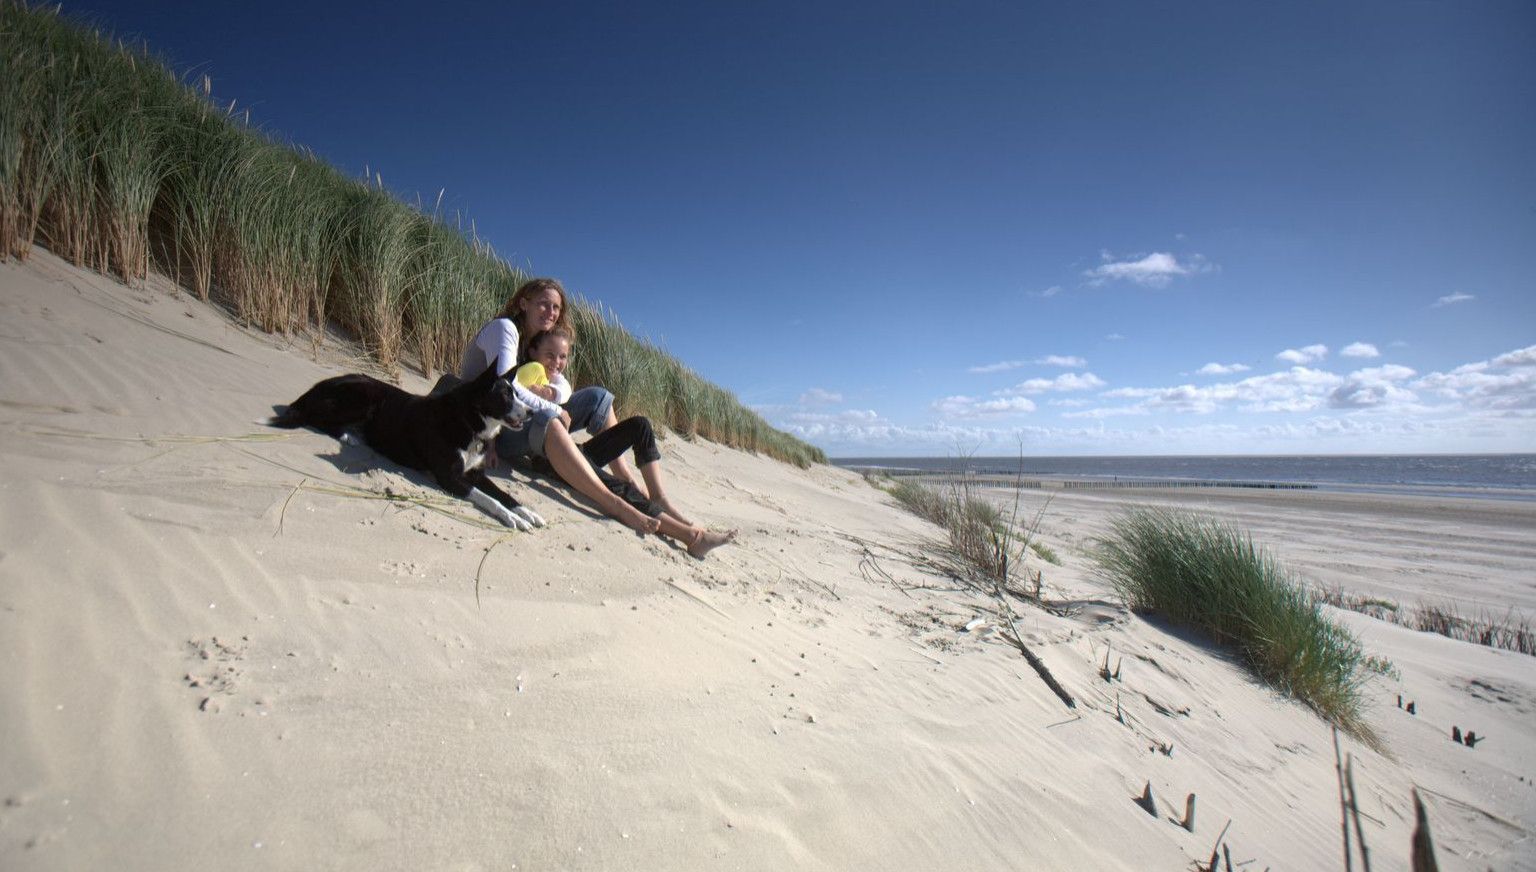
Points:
(983, 540)
(1208, 575)
(112, 162)
(1510, 631)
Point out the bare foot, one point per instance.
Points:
(707, 541)
(633, 518)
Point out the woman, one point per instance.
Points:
(539, 304)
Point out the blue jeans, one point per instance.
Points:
(588, 408)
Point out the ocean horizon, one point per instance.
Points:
(1503, 476)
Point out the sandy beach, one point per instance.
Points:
(226, 648)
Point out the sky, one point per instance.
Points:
(902, 229)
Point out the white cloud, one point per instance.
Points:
(1051, 291)
(1103, 412)
(1071, 403)
(972, 407)
(820, 397)
(1048, 360)
(1222, 369)
(1506, 383)
(884, 437)
(1390, 372)
(1000, 366)
(1069, 381)
(1374, 387)
(1062, 360)
(1294, 390)
(1453, 298)
(1521, 357)
(1301, 356)
(1339, 432)
(1114, 337)
(1359, 349)
(1155, 270)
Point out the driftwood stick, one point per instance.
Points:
(1216, 848)
(1354, 807)
(1338, 765)
(284, 512)
(1034, 661)
(706, 603)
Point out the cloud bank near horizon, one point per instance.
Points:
(1299, 409)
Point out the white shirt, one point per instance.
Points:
(497, 341)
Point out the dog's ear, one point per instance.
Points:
(484, 381)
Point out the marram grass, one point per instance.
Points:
(112, 162)
(1205, 574)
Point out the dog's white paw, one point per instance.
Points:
(529, 515)
(496, 510)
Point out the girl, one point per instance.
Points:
(544, 373)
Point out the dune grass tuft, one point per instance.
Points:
(985, 542)
(1208, 575)
(1510, 631)
(112, 162)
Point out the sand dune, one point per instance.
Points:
(224, 649)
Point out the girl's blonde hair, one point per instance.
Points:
(556, 331)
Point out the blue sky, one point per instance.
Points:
(905, 229)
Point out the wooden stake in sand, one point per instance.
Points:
(1189, 813)
(1147, 803)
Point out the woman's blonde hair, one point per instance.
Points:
(514, 309)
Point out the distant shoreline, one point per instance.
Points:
(1497, 477)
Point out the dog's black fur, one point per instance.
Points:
(450, 434)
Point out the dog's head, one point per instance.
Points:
(494, 397)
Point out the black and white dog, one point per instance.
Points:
(449, 434)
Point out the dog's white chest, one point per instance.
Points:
(474, 455)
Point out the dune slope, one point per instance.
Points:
(224, 648)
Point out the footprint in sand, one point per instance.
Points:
(214, 672)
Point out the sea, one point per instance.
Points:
(1487, 476)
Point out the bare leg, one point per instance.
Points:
(698, 540)
(651, 472)
(571, 465)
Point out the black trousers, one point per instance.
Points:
(635, 432)
(631, 433)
